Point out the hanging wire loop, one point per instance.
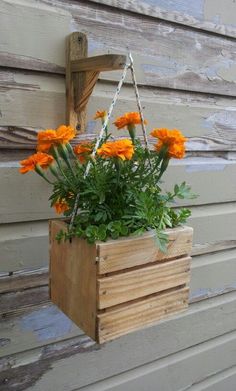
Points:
(127, 66)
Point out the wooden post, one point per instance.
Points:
(82, 73)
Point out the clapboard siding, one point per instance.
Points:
(31, 101)
(29, 320)
(164, 374)
(211, 15)
(25, 205)
(214, 229)
(197, 63)
(79, 362)
(185, 59)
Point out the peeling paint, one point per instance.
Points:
(194, 8)
(46, 323)
(204, 293)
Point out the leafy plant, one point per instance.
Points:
(121, 193)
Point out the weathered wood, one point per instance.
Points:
(77, 46)
(186, 370)
(38, 325)
(39, 100)
(77, 357)
(134, 251)
(72, 276)
(105, 62)
(80, 292)
(143, 313)
(24, 280)
(214, 228)
(34, 205)
(199, 15)
(129, 285)
(209, 63)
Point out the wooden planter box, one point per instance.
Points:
(115, 287)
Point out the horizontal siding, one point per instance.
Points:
(176, 372)
(197, 63)
(211, 15)
(214, 229)
(79, 362)
(30, 321)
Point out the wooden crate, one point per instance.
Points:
(115, 287)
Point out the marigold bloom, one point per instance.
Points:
(82, 150)
(122, 149)
(127, 119)
(174, 139)
(61, 206)
(39, 158)
(100, 114)
(47, 138)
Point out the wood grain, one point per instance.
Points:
(72, 276)
(208, 66)
(130, 285)
(116, 255)
(145, 312)
(198, 15)
(207, 320)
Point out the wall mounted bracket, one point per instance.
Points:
(82, 73)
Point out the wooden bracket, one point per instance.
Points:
(82, 73)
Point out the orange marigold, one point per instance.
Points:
(174, 139)
(100, 114)
(82, 150)
(39, 158)
(127, 119)
(61, 206)
(47, 138)
(122, 149)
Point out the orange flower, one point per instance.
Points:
(39, 158)
(122, 149)
(100, 114)
(82, 150)
(127, 119)
(174, 139)
(61, 206)
(48, 138)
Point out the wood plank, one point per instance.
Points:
(210, 15)
(72, 275)
(24, 280)
(143, 313)
(209, 64)
(41, 324)
(39, 100)
(42, 368)
(34, 205)
(25, 245)
(186, 370)
(133, 284)
(102, 63)
(116, 255)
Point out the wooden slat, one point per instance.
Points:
(214, 228)
(145, 312)
(208, 64)
(32, 205)
(40, 324)
(211, 16)
(72, 276)
(124, 287)
(124, 253)
(42, 368)
(39, 100)
(105, 62)
(186, 370)
(24, 280)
